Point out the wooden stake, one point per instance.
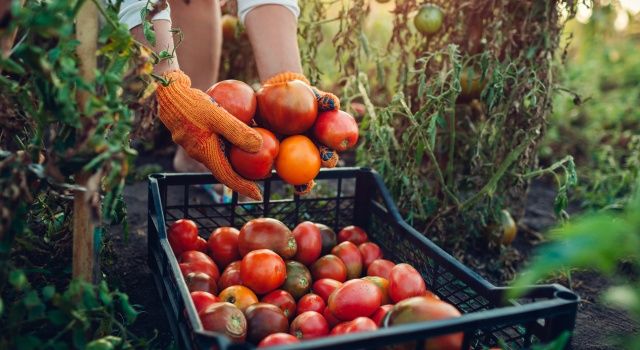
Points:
(85, 262)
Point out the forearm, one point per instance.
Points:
(272, 30)
(164, 41)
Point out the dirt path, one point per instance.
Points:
(128, 271)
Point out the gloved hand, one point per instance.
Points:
(196, 121)
(326, 102)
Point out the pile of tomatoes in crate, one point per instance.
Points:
(298, 138)
(282, 286)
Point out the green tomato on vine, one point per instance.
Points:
(429, 19)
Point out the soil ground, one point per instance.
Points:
(127, 269)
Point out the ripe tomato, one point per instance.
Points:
(405, 282)
(370, 252)
(283, 300)
(429, 19)
(266, 233)
(201, 300)
(309, 241)
(336, 129)
(383, 284)
(309, 325)
(183, 236)
(230, 276)
(289, 108)
(298, 280)
(262, 270)
(509, 228)
(328, 238)
(331, 320)
(264, 319)
(430, 294)
(329, 266)
(419, 309)
(195, 261)
(298, 160)
(380, 267)
(311, 302)
(471, 84)
(223, 245)
(235, 97)
(225, 318)
(258, 165)
(360, 324)
(201, 245)
(278, 339)
(198, 281)
(350, 255)
(240, 296)
(229, 24)
(353, 299)
(378, 316)
(324, 287)
(353, 234)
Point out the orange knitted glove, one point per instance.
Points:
(195, 121)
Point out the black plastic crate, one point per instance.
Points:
(347, 196)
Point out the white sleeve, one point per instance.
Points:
(245, 6)
(131, 16)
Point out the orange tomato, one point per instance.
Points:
(298, 161)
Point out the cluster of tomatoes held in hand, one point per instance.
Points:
(298, 138)
(281, 286)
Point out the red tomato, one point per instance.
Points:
(380, 267)
(298, 160)
(353, 299)
(353, 234)
(198, 281)
(183, 236)
(266, 233)
(309, 325)
(420, 309)
(225, 318)
(203, 299)
(283, 300)
(257, 165)
(405, 282)
(311, 302)
(324, 287)
(351, 257)
(230, 276)
(288, 108)
(370, 252)
(201, 245)
(360, 324)
(195, 261)
(378, 316)
(278, 339)
(329, 266)
(223, 245)
(336, 129)
(331, 320)
(262, 270)
(431, 294)
(236, 97)
(240, 296)
(383, 284)
(264, 319)
(309, 241)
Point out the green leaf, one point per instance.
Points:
(149, 34)
(100, 344)
(57, 317)
(18, 279)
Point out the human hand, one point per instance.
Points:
(196, 123)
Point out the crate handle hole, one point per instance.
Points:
(566, 295)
